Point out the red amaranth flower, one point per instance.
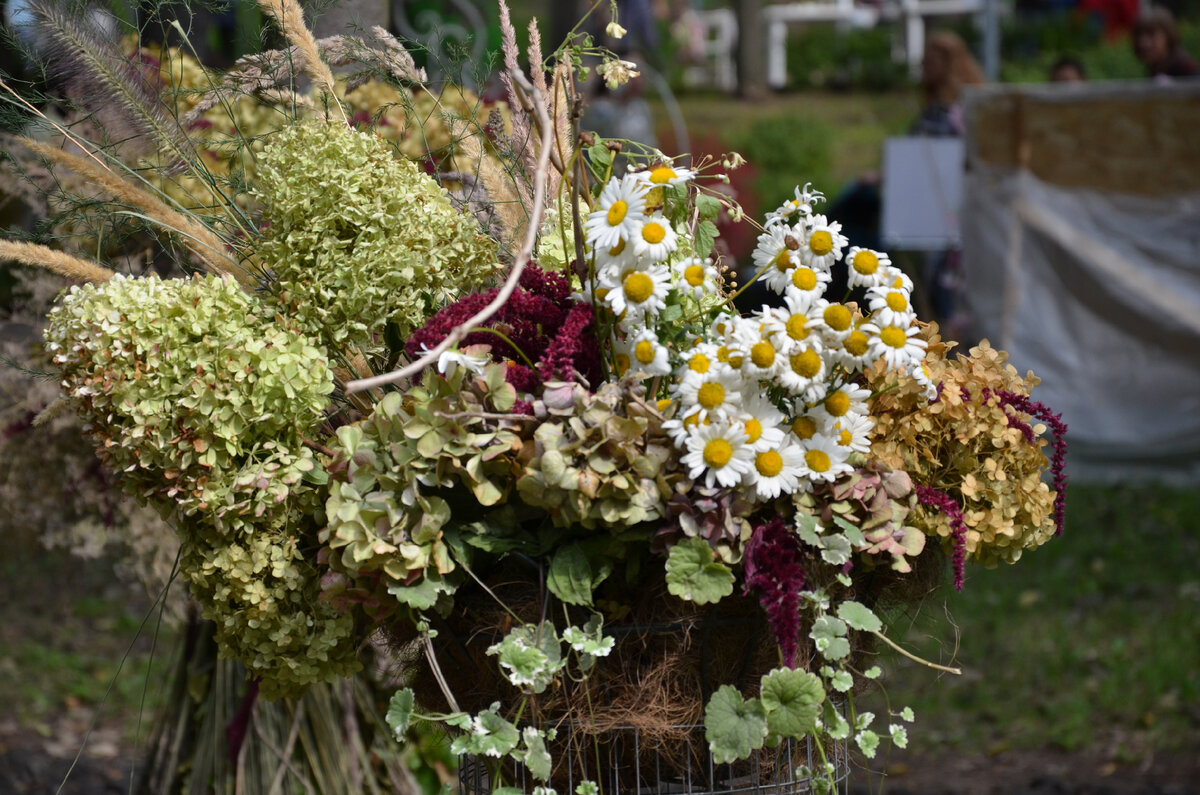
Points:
(1058, 461)
(773, 569)
(931, 497)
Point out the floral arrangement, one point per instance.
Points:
(370, 410)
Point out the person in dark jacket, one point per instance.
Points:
(1156, 44)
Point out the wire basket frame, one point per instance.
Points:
(620, 764)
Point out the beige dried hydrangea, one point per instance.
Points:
(964, 444)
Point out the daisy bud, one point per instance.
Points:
(614, 30)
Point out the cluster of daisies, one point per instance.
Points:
(769, 402)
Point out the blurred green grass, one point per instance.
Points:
(1092, 639)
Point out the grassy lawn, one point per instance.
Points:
(1092, 639)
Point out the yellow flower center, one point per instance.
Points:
(782, 261)
(768, 464)
(837, 404)
(894, 337)
(644, 351)
(804, 279)
(617, 249)
(806, 364)
(896, 285)
(653, 232)
(856, 343)
(817, 460)
(837, 317)
(622, 363)
(616, 213)
(821, 243)
(638, 287)
(694, 275)
(710, 395)
(691, 421)
(662, 175)
(753, 430)
(762, 354)
(727, 356)
(664, 404)
(866, 263)
(845, 438)
(796, 327)
(718, 453)
(699, 363)
(897, 302)
(804, 427)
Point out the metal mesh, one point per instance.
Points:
(621, 765)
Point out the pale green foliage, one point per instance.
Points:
(830, 636)
(358, 238)
(602, 460)
(383, 511)
(530, 656)
(859, 616)
(695, 575)
(201, 406)
(734, 726)
(400, 711)
(792, 699)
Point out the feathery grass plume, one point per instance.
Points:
(58, 408)
(290, 19)
(504, 190)
(522, 126)
(113, 86)
(559, 110)
(63, 264)
(208, 247)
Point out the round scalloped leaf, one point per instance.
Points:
(793, 700)
(400, 710)
(734, 726)
(859, 616)
(695, 575)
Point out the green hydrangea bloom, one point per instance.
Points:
(358, 238)
(201, 403)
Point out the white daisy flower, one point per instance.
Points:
(866, 267)
(719, 453)
(798, 207)
(724, 326)
(449, 361)
(847, 399)
(824, 459)
(761, 420)
(696, 277)
(834, 321)
(806, 283)
(790, 323)
(619, 213)
(854, 352)
(699, 361)
(715, 393)
(853, 432)
(638, 291)
(666, 174)
(648, 355)
(778, 251)
(617, 257)
(803, 374)
(899, 346)
(890, 306)
(655, 239)
(922, 376)
(896, 279)
(804, 427)
(776, 470)
(679, 427)
(823, 244)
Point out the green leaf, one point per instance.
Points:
(694, 575)
(830, 636)
(424, 594)
(859, 616)
(734, 726)
(708, 206)
(600, 157)
(706, 235)
(793, 701)
(535, 756)
(571, 577)
(399, 714)
(853, 533)
(530, 656)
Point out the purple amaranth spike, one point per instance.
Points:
(1059, 460)
(773, 569)
(931, 497)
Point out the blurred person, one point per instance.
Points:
(1156, 44)
(946, 67)
(1068, 69)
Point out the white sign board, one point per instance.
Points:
(922, 191)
